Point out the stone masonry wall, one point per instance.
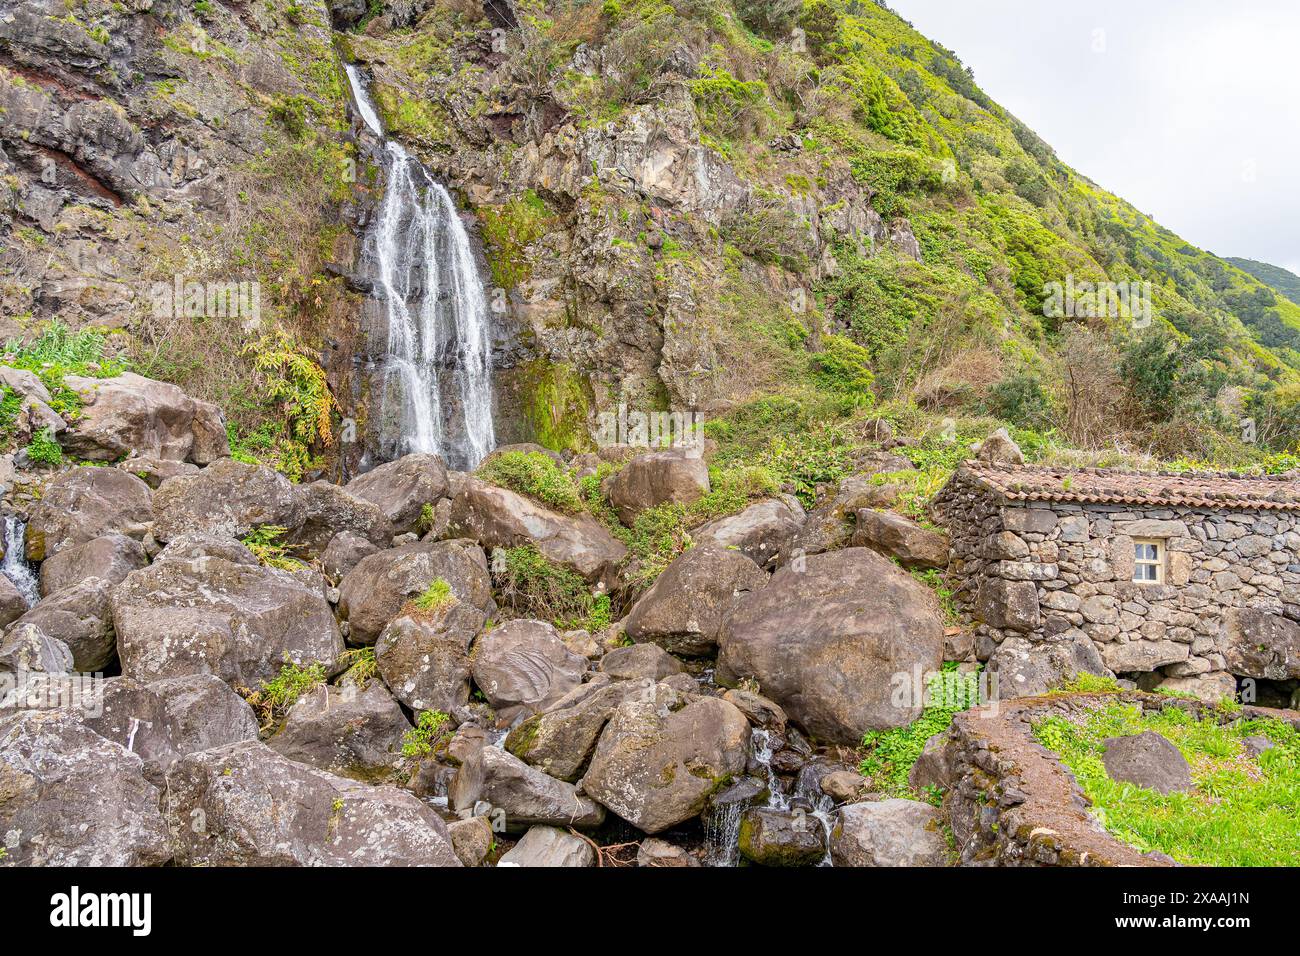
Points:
(1053, 570)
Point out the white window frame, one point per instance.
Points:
(1161, 546)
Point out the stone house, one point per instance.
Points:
(1185, 581)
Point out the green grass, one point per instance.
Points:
(535, 474)
(1242, 811)
(58, 352)
(274, 698)
(531, 586)
(265, 544)
(435, 597)
(890, 754)
(44, 449)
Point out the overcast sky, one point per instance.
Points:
(1189, 109)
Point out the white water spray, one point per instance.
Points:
(15, 566)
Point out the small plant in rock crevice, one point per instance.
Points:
(429, 730)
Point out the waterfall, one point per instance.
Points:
(434, 383)
(15, 566)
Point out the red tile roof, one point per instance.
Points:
(1223, 490)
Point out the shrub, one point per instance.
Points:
(265, 544)
(843, 366)
(531, 586)
(429, 730)
(1020, 400)
(44, 449)
(535, 474)
(274, 698)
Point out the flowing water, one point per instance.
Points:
(15, 566)
(434, 383)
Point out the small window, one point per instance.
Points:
(1148, 561)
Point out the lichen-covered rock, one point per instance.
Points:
(1027, 669)
(13, 604)
(375, 591)
(472, 839)
(826, 642)
(519, 795)
(684, 609)
(896, 537)
(351, 731)
(167, 719)
(84, 503)
(69, 797)
(403, 488)
(80, 617)
(656, 767)
(760, 532)
(329, 510)
(640, 662)
(1262, 645)
(133, 415)
(423, 656)
(523, 666)
(499, 518)
(654, 479)
(154, 471)
(110, 557)
(228, 498)
(343, 553)
(210, 615)
(244, 804)
(771, 837)
(891, 832)
(561, 741)
(550, 847)
(27, 648)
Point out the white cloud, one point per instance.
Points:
(1189, 109)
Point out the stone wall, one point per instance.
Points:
(1062, 572)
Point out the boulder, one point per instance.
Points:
(1147, 760)
(896, 537)
(1142, 655)
(561, 741)
(842, 786)
(889, 833)
(661, 853)
(827, 642)
(654, 479)
(376, 590)
(827, 526)
(771, 837)
(640, 661)
(999, 448)
(760, 711)
(423, 656)
(110, 557)
(656, 767)
(210, 615)
(523, 667)
(328, 510)
(760, 532)
(519, 795)
(403, 488)
(84, 503)
(80, 617)
(12, 603)
(549, 846)
(244, 804)
(499, 518)
(133, 415)
(1261, 644)
(28, 648)
(1026, 669)
(933, 769)
(229, 498)
(684, 609)
(154, 471)
(343, 553)
(472, 839)
(167, 719)
(348, 730)
(69, 797)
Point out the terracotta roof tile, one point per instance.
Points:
(1223, 490)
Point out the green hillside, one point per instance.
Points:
(1282, 280)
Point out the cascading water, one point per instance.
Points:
(15, 566)
(435, 381)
